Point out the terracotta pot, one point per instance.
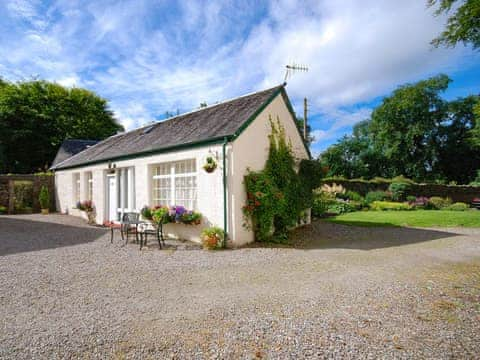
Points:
(209, 242)
(44, 211)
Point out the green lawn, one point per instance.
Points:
(418, 218)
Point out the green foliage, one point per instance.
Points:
(3, 210)
(389, 205)
(23, 193)
(311, 173)
(146, 213)
(399, 190)
(462, 26)
(160, 215)
(321, 202)
(191, 217)
(418, 218)
(354, 196)
(212, 237)
(36, 116)
(376, 196)
(411, 198)
(414, 132)
(458, 206)
(341, 208)
(476, 181)
(438, 203)
(44, 198)
(276, 196)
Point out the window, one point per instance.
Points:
(89, 177)
(76, 188)
(175, 183)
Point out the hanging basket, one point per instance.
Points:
(210, 165)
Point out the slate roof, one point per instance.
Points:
(71, 147)
(211, 123)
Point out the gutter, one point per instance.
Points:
(225, 142)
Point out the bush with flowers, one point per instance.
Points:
(276, 196)
(172, 214)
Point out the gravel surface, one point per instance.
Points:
(344, 292)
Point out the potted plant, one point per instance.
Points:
(89, 209)
(160, 215)
(44, 200)
(210, 165)
(191, 217)
(212, 237)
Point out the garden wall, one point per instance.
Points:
(458, 193)
(9, 185)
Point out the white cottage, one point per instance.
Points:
(162, 164)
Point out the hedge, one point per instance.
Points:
(458, 193)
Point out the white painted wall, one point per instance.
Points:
(250, 150)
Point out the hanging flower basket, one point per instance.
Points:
(210, 165)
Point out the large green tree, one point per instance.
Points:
(462, 26)
(36, 116)
(404, 127)
(415, 133)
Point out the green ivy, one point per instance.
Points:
(276, 196)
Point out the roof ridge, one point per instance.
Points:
(155, 123)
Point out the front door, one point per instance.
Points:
(112, 198)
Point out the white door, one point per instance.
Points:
(112, 198)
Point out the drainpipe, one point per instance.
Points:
(225, 141)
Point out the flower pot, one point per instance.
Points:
(209, 242)
(91, 217)
(44, 211)
(210, 169)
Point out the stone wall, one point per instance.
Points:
(7, 194)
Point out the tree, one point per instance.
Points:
(300, 121)
(404, 127)
(458, 160)
(415, 133)
(36, 116)
(462, 26)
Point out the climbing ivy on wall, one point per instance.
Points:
(278, 195)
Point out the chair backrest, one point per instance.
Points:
(130, 217)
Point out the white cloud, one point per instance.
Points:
(147, 63)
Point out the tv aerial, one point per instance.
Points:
(292, 69)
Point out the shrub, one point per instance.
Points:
(411, 199)
(438, 203)
(212, 237)
(350, 195)
(44, 198)
(23, 192)
(399, 190)
(321, 202)
(341, 208)
(333, 189)
(3, 210)
(376, 196)
(146, 213)
(389, 205)
(160, 215)
(458, 206)
(191, 217)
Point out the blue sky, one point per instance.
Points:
(149, 57)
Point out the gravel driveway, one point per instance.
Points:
(66, 292)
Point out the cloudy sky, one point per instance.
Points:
(151, 56)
